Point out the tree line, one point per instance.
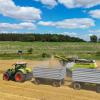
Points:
(39, 37)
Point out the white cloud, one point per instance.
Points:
(79, 3)
(94, 31)
(8, 8)
(95, 13)
(70, 23)
(88, 3)
(8, 26)
(49, 3)
(70, 33)
(71, 3)
(67, 3)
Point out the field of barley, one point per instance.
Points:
(10, 90)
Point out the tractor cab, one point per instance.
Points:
(21, 65)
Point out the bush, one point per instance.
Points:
(30, 51)
(44, 55)
(98, 53)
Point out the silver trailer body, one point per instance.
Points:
(86, 76)
(49, 73)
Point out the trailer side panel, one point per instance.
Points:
(86, 75)
(49, 73)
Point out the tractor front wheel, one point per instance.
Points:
(6, 76)
(19, 77)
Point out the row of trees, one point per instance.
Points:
(39, 37)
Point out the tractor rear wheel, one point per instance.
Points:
(6, 76)
(19, 77)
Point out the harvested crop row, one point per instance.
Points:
(9, 96)
(48, 93)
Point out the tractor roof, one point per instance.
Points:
(20, 63)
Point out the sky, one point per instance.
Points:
(78, 18)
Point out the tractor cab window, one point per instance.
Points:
(20, 65)
(17, 66)
(23, 65)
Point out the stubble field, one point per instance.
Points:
(29, 91)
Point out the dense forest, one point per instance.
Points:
(39, 37)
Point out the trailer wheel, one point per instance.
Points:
(19, 77)
(63, 82)
(77, 86)
(98, 88)
(37, 81)
(56, 83)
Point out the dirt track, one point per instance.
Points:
(28, 91)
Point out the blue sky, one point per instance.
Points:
(79, 18)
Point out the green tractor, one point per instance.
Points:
(19, 74)
(74, 63)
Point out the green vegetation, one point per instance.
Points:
(30, 51)
(39, 37)
(93, 38)
(41, 50)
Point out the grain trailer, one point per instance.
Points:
(83, 75)
(54, 75)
